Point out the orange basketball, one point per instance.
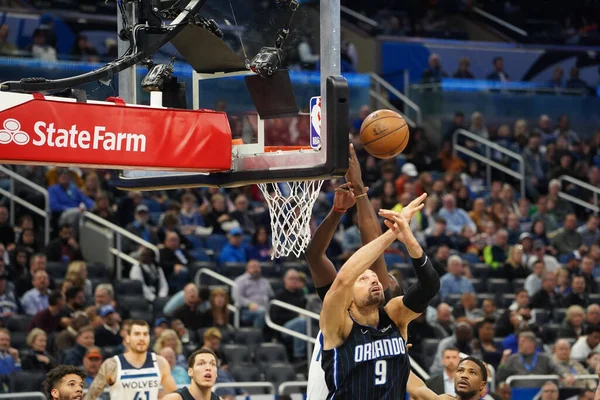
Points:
(384, 134)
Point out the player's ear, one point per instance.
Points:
(55, 394)
(190, 372)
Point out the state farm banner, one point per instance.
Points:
(58, 131)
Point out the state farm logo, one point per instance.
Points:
(12, 133)
(98, 138)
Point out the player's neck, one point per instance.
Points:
(200, 393)
(134, 358)
(367, 316)
(474, 397)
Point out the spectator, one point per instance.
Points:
(461, 340)
(498, 74)
(578, 296)
(49, 319)
(179, 373)
(463, 71)
(456, 218)
(590, 232)
(105, 295)
(242, 215)
(77, 273)
(40, 49)
(551, 264)
(454, 282)
(495, 255)
(9, 357)
(567, 239)
(91, 363)
(234, 250)
(64, 248)
(572, 327)
(65, 195)
(8, 300)
(66, 338)
(466, 308)
(36, 299)
(434, 73)
(529, 361)
(535, 167)
(190, 313)
(103, 209)
(515, 267)
(84, 341)
(586, 344)
(174, 261)
(562, 351)
(293, 293)
(169, 338)
(252, 293)
(75, 301)
(557, 78)
(154, 283)
(261, 248)
(7, 233)
(491, 352)
(38, 359)
(25, 281)
(190, 220)
(478, 127)
(219, 219)
(109, 334)
(575, 82)
(418, 331)
(549, 391)
(444, 324)
(185, 335)
(218, 313)
(444, 383)
(141, 228)
(587, 272)
(212, 341)
(6, 48)
(83, 50)
(546, 297)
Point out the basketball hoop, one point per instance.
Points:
(290, 205)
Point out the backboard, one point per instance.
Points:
(289, 148)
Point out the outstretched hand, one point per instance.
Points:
(409, 211)
(343, 197)
(399, 222)
(354, 174)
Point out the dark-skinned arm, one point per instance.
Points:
(322, 271)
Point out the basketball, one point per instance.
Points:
(384, 134)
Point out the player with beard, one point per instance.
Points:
(64, 382)
(469, 383)
(136, 374)
(323, 271)
(363, 341)
(202, 369)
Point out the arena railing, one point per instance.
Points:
(243, 385)
(309, 338)
(117, 248)
(515, 378)
(487, 158)
(24, 395)
(576, 200)
(378, 83)
(14, 198)
(281, 389)
(350, 12)
(221, 278)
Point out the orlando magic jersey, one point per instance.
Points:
(370, 364)
(136, 383)
(185, 394)
(316, 388)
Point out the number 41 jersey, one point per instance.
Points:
(136, 383)
(370, 364)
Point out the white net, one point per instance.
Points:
(291, 205)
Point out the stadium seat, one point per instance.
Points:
(407, 270)
(453, 299)
(498, 341)
(17, 323)
(143, 315)
(393, 258)
(268, 269)
(480, 271)
(236, 354)
(540, 316)
(216, 242)
(233, 270)
(470, 258)
(128, 287)
(248, 336)
(550, 332)
(507, 299)
(17, 340)
(479, 285)
(56, 270)
(499, 286)
(280, 372)
(270, 353)
(594, 298)
(133, 303)
(518, 284)
(24, 381)
(559, 314)
(429, 349)
(109, 351)
(200, 254)
(95, 283)
(482, 296)
(300, 266)
(247, 373)
(276, 284)
(96, 271)
(159, 304)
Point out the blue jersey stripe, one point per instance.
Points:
(153, 375)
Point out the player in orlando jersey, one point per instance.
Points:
(202, 369)
(323, 272)
(469, 383)
(64, 382)
(136, 374)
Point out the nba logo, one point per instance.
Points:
(315, 122)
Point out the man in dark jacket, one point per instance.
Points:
(85, 340)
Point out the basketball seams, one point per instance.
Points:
(386, 135)
(362, 128)
(396, 148)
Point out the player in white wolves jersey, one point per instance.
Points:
(136, 374)
(323, 271)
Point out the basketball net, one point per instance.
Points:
(290, 205)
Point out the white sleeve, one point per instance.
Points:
(163, 286)
(136, 274)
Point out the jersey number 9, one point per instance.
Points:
(380, 372)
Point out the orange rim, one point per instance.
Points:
(272, 149)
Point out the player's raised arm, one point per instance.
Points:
(368, 223)
(335, 305)
(167, 381)
(417, 390)
(106, 376)
(404, 309)
(321, 268)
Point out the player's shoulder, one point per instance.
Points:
(446, 397)
(173, 396)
